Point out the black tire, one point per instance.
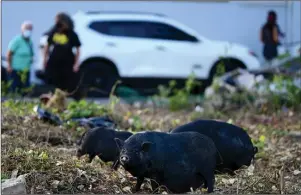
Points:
(98, 78)
(230, 65)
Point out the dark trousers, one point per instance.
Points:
(19, 81)
(3, 74)
(64, 79)
(270, 51)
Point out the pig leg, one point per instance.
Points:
(91, 156)
(209, 183)
(139, 183)
(116, 164)
(154, 185)
(205, 185)
(202, 178)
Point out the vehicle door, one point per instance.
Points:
(178, 53)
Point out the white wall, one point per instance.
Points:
(233, 21)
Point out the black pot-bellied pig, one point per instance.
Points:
(233, 143)
(177, 161)
(100, 141)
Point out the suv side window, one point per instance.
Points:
(141, 29)
(121, 28)
(167, 32)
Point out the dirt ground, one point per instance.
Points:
(46, 153)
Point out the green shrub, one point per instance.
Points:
(178, 99)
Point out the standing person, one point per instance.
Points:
(61, 64)
(20, 58)
(43, 42)
(269, 36)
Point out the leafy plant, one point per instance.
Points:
(113, 98)
(18, 107)
(283, 56)
(178, 98)
(285, 92)
(4, 176)
(5, 86)
(137, 123)
(220, 69)
(260, 144)
(84, 109)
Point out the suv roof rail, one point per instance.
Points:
(124, 12)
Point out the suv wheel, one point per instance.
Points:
(230, 65)
(99, 78)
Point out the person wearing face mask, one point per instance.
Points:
(61, 64)
(20, 58)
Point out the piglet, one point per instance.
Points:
(178, 161)
(100, 142)
(234, 145)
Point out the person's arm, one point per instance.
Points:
(9, 56)
(12, 47)
(275, 34)
(46, 50)
(260, 36)
(280, 32)
(77, 44)
(45, 55)
(77, 54)
(31, 51)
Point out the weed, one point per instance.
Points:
(178, 99)
(260, 144)
(5, 86)
(283, 92)
(4, 176)
(82, 109)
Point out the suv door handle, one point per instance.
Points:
(111, 44)
(197, 66)
(161, 48)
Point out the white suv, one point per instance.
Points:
(147, 49)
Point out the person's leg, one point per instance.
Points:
(63, 80)
(54, 75)
(26, 83)
(75, 86)
(69, 82)
(267, 62)
(58, 80)
(15, 81)
(3, 74)
(72, 82)
(267, 53)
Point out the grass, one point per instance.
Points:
(46, 153)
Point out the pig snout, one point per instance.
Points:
(124, 159)
(78, 153)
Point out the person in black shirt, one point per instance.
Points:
(269, 34)
(61, 64)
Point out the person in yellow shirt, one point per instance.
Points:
(61, 64)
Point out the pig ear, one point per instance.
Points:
(119, 143)
(146, 146)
